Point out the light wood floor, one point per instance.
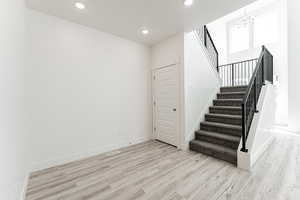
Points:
(157, 171)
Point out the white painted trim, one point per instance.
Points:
(181, 106)
(86, 154)
(243, 160)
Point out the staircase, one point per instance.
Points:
(220, 134)
(229, 119)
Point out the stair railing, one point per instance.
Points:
(209, 45)
(237, 73)
(263, 71)
(211, 48)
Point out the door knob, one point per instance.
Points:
(174, 109)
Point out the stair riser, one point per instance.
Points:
(218, 129)
(225, 111)
(233, 145)
(235, 89)
(227, 103)
(218, 155)
(224, 120)
(230, 96)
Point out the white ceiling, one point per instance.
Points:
(125, 18)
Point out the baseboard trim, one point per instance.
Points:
(78, 156)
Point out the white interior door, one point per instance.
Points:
(166, 102)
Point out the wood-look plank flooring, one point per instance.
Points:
(156, 171)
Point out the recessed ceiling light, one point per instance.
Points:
(145, 31)
(80, 5)
(188, 3)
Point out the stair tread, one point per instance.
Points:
(222, 125)
(227, 107)
(219, 135)
(239, 86)
(231, 92)
(216, 147)
(224, 115)
(228, 100)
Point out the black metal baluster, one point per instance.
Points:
(205, 36)
(228, 76)
(242, 69)
(262, 70)
(244, 129)
(239, 79)
(223, 76)
(225, 82)
(232, 74)
(248, 71)
(227, 79)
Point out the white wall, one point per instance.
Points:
(12, 132)
(294, 64)
(217, 29)
(167, 52)
(87, 91)
(201, 84)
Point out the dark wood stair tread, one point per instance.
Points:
(216, 147)
(224, 116)
(240, 100)
(221, 136)
(217, 151)
(227, 107)
(221, 125)
(234, 87)
(232, 93)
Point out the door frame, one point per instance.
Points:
(180, 106)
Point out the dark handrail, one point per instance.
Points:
(207, 37)
(263, 71)
(239, 62)
(212, 42)
(252, 81)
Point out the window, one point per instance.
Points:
(239, 38)
(263, 35)
(250, 32)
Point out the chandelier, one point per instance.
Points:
(245, 20)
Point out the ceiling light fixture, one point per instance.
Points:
(188, 3)
(145, 31)
(80, 5)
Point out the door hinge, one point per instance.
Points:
(154, 128)
(154, 103)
